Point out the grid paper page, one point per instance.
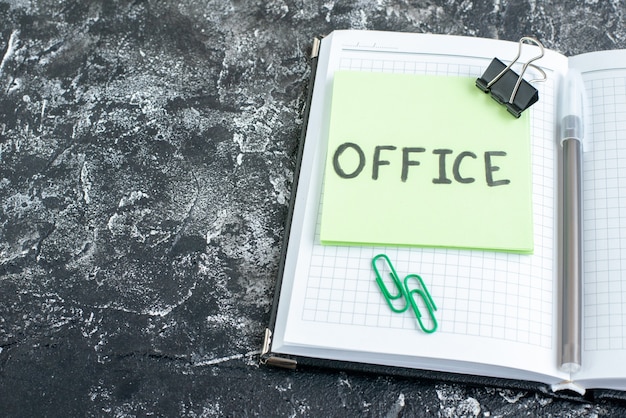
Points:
(605, 212)
(484, 294)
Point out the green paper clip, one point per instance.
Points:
(402, 294)
(403, 291)
(428, 302)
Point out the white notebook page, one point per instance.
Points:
(604, 177)
(494, 308)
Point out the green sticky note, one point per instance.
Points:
(430, 161)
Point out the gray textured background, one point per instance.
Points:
(147, 152)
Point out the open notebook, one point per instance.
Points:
(498, 312)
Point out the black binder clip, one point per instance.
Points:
(508, 88)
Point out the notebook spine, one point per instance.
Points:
(315, 49)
